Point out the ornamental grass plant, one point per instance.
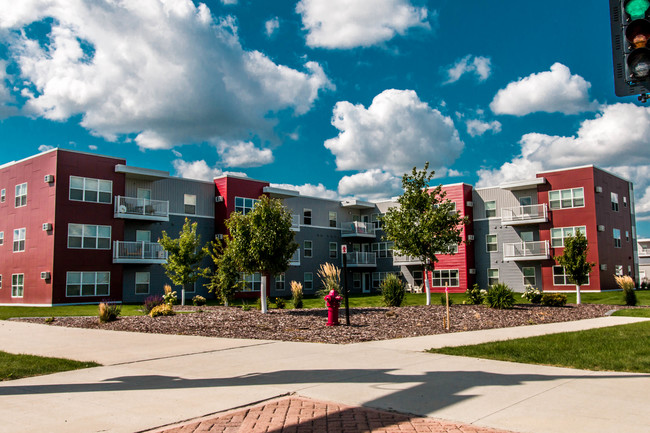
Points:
(500, 296)
(626, 283)
(330, 277)
(109, 311)
(296, 294)
(392, 291)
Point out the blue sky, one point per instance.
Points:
(335, 98)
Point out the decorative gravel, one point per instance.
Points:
(366, 324)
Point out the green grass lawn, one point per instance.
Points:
(616, 348)
(64, 310)
(633, 312)
(18, 366)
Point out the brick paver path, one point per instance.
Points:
(302, 415)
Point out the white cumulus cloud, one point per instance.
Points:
(309, 190)
(199, 170)
(476, 127)
(271, 26)
(554, 91)
(395, 133)
(243, 154)
(45, 147)
(168, 72)
(371, 185)
(348, 24)
(477, 65)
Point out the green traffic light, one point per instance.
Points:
(637, 8)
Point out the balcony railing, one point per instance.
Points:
(141, 208)
(356, 259)
(358, 229)
(401, 260)
(533, 214)
(644, 252)
(295, 223)
(526, 251)
(295, 259)
(138, 252)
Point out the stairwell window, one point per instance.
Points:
(309, 248)
(493, 276)
(306, 217)
(490, 209)
(308, 283)
(189, 201)
(491, 243)
(21, 195)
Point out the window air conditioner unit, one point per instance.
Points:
(48, 178)
(472, 271)
(45, 275)
(603, 267)
(601, 228)
(470, 204)
(218, 199)
(599, 189)
(470, 237)
(47, 227)
(219, 236)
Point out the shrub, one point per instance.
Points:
(475, 296)
(162, 310)
(554, 299)
(500, 296)
(627, 284)
(152, 301)
(392, 291)
(198, 301)
(109, 311)
(170, 297)
(296, 294)
(245, 306)
(533, 295)
(279, 303)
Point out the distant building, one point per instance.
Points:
(644, 259)
(80, 228)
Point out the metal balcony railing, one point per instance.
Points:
(141, 208)
(138, 252)
(402, 260)
(526, 251)
(357, 229)
(358, 259)
(536, 213)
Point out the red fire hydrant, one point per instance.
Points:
(333, 301)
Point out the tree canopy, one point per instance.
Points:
(225, 280)
(185, 255)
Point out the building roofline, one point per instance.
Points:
(57, 149)
(578, 167)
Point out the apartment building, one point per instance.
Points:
(80, 228)
(643, 248)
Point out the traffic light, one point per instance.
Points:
(630, 21)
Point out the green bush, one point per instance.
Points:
(162, 310)
(630, 297)
(198, 301)
(392, 291)
(280, 303)
(500, 296)
(533, 295)
(554, 299)
(443, 300)
(109, 311)
(475, 296)
(245, 306)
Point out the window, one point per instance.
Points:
(17, 285)
(445, 277)
(490, 209)
(417, 278)
(379, 277)
(0, 281)
(525, 201)
(491, 243)
(383, 249)
(527, 236)
(89, 236)
(558, 235)
(356, 280)
(2, 238)
(21, 195)
(308, 283)
(143, 235)
(142, 282)
(87, 284)
(244, 205)
(529, 277)
(617, 238)
(376, 221)
(308, 249)
(91, 190)
(627, 236)
(618, 270)
(493, 276)
(144, 194)
(332, 218)
(3, 195)
(252, 282)
(334, 250)
(279, 283)
(306, 217)
(189, 202)
(624, 201)
(560, 277)
(614, 202)
(19, 240)
(566, 198)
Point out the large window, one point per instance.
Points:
(617, 238)
(333, 217)
(252, 282)
(21, 195)
(445, 277)
(491, 243)
(89, 236)
(566, 198)
(558, 235)
(87, 284)
(490, 209)
(383, 249)
(17, 285)
(309, 249)
(91, 190)
(529, 277)
(614, 202)
(189, 203)
(19, 240)
(244, 205)
(142, 283)
(560, 277)
(493, 276)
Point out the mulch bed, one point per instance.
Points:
(366, 324)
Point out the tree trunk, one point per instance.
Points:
(427, 287)
(578, 294)
(263, 293)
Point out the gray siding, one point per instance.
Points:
(502, 197)
(173, 191)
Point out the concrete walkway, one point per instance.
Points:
(148, 381)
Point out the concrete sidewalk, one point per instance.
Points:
(148, 381)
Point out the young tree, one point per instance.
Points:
(262, 240)
(425, 223)
(574, 260)
(185, 255)
(225, 280)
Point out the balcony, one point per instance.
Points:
(521, 251)
(361, 260)
(141, 209)
(401, 260)
(357, 229)
(138, 252)
(295, 223)
(519, 215)
(295, 259)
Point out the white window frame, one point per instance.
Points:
(19, 241)
(528, 278)
(495, 271)
(490, 211)
(21, 195)
(280, 283)
(244, 205)
(306, 219)
(252, 282)
(144, 280)
(189, 204)
(564, 277)
(103, 187)
(494, 244)
(87, 279)
(557, 198)
(442, 276)
(333, 219)
(17, 285)
(2, 238)
(86, 233)
(565, 234)
(3, 195)
(0, 281)
(310, 254)
(333, 250)
(616, 234)
(614, 198)
(383, 249)
(356, 280)
(308, 281)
